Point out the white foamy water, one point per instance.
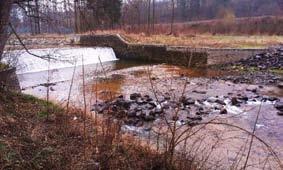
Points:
(61, 58)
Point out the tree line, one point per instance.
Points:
(68, 16)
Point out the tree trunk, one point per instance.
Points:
(37, 19)
(148, 17)
(172, 16)
(153, 15)
(5, 9)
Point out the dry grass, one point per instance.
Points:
(202, 40)
(30, 141)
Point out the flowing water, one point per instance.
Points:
(105, 76)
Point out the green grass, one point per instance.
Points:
(277, 71)
(3, 66)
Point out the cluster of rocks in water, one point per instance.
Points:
(259, 68)
(141, 109)
(264, 61)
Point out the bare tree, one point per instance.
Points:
(148, 16)
(153, 14)
(172, 16)
(5, 9)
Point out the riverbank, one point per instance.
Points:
(40, 135)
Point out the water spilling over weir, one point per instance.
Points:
(59, 58)
(33, 71)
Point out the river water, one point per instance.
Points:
(106, 76)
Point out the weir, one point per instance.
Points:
(145, 52)
(59, 58)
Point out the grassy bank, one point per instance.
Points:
(202, 40)
(3, 66)
(39, 135)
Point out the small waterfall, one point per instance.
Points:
(61, 58)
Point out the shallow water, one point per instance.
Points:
(112, 78)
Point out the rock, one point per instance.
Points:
(149, 118)
(280, 85)
(194, 117)
(148, 106)
(139, 124)
(167, 96)
(175, 118)
(157, 111)
(234, 101)
(220, 102)
(272, 99)
(193, 123)
(223, 111)
(99, 107)
(132, 113)
(121, 96)
(134, 96)
(244, 98)
(202, 112)
(212, 99)
(147, 98)
(153, 78)
(189, 101)
(165, 105)
(199, 92)
(152, 103)
(252, 89)
(139, 101)
(279, 106)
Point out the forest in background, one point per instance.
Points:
(69, 16)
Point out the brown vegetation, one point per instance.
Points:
(201, 40)
(267, 25)
(28, 140)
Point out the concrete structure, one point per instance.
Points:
(9, 79)
(145, 52)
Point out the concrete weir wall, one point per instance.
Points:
(145, 52)
(9, 79)
(177, 55)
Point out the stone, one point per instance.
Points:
(149, 118)
(139, 124)
(272, 99)
(223, 111)
(99, 107)
(280, 85)
(139, 101)
(191, 117)
(134, 96)
(120, 96)
(220, 102)
(157, 111)
(234, 101)
(152, 103)
(192, 123)
(252, 89)
(244, 98)
(212, 99)
(199, 92)
(189, 101)
(131, 113)
(167, 96)
(175, 118)
(279, 106)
